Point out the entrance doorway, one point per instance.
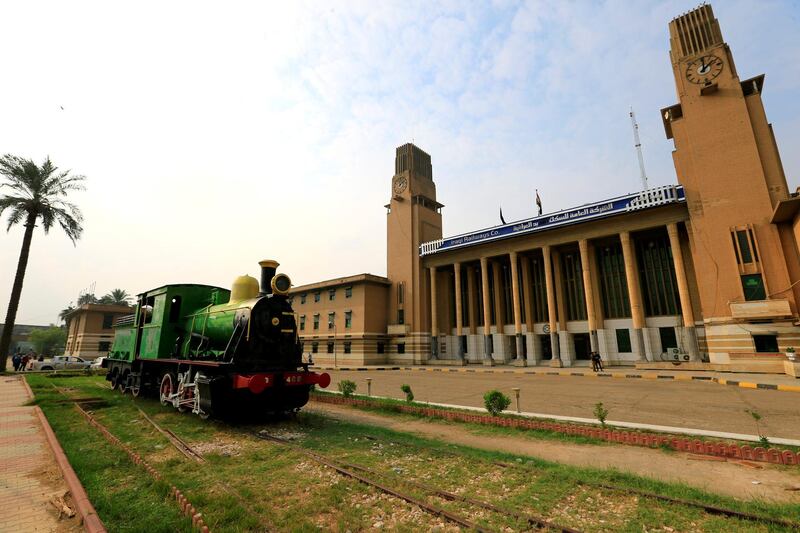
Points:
(582, 346)
(547, 348)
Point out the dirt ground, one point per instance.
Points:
(728, 478)
(697, 405)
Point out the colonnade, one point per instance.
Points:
(556, 318)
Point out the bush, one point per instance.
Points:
(601, 413)
(496, 402)
(409, 394)
(347, 387)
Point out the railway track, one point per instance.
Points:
(708, 508)
(175, 440)
(361, 474)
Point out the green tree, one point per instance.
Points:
(116, 297)
(62, 315)
(35, 194)
(50, 341)
(87, 298)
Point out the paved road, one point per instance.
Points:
(689, 404)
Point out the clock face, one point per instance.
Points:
(399, 185)
(704, 69)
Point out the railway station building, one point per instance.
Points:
(704, 272)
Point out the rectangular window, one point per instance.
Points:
(744, 246)
(347, 347)
(668, 338)
(348, 292)
(147, 309)
(108, 319)
(401, 347)
(316, 321)
(317, 296)
(331, 294)
(572, 275)
(348, 319)
(539, 290)
(401, 317)
(302, 298)
(175, 309)
(766, 343)
(463, 340)
(103, 346)
(400, 290)
(331, 320)
(302, 322)
(381, 347)
(753, 287)
(314, 347)
(624, 340)
(330, 347)
(613, 284)
(657, 275)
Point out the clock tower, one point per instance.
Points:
(413, 217)
(727, 160)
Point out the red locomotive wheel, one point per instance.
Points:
(167, 388)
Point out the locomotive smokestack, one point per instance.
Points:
(268, 268)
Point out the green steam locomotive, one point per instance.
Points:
(213, 351)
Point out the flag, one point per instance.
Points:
(538, 202)
(502, 220)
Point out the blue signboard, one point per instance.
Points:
(624, 204)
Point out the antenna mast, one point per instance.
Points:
(638, 145)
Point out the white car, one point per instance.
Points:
(97, 363)
(61, 362)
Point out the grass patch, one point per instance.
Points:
(238, 488)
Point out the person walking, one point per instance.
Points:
(597, 362)
(16, 360)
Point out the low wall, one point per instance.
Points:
(634, 438)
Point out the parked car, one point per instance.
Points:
(97, 363)
(61, 362)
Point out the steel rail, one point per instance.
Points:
(175, 440)
(432, 509)
(711, 509)
(535, 521)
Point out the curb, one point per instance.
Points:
(668, 377)
(91, 522)
(633, 438)
(187, 509)
(27, 388)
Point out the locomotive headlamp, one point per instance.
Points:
(281, 284)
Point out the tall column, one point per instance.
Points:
(487, 313)
(634, 292)
(434, 316)
(566, 349)
(683, 291)
(527, 292)
(552, 321)
(588, 292)
(472, 301)
(520, 349)
(499, 307)
(459, 314)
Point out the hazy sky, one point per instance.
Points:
(214, 135)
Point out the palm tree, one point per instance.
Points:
(87, 298)
(116, 297)
(37, 193)
(62, 315)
